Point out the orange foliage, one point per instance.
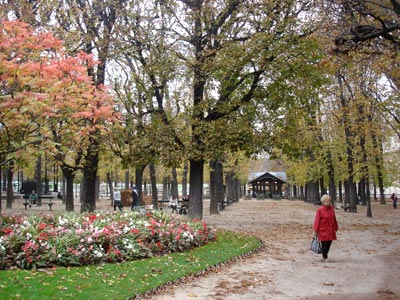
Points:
(42, 86)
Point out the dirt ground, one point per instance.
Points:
(363, 264)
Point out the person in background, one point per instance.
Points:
(117, 199)
(173, 203)
(59, 195)
(135, 197)
(325, 225)
(184, 206)
(33, 197)
(394, 199)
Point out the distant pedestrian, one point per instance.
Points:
(33, 197)
(59, 195)
(135, 197)
(117, 199)
(173, 203)
(394, 199)
(325, 225)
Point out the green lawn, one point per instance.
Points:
(125, 280)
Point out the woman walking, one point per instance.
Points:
(325, 225)
(394, 199)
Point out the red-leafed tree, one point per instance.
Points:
(47, 99)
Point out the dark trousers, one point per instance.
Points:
(117, 204)
(174, 208)
(325, 245)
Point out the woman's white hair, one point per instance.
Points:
(325, 199)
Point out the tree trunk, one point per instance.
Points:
(378, 165)
(351, 194)
(88, 197)
(46, 178)
(110, 186)
(213, 201)
(368, 198)
(229, 187)
(312, 192)
(69, 176)
(184, 179)
(38, 177)
(302, 193)
(322, 186)
(331, 175)
(10, 190)
(139, 183)
(4, 181)
(165, 189)
(127, 178)
(341, 191)
(361, 191)
(196, 189)
(216, 186)
(236, 188)
(174, 183)
(346, 192)
(154, 191)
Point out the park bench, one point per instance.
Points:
(26, 203)
(345, 207)
(164, 204)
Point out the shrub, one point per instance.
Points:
(72, 239)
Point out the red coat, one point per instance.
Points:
(325, 223)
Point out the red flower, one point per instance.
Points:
(8, 231)
(42, 226)
(92, 218)
(135, 231)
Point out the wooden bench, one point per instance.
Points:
(164, 204)
(345, 207)
(26, 203)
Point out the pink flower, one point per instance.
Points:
(135, 231)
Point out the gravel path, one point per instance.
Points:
(363, 264)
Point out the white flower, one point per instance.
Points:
(62, 221)
(98, 253)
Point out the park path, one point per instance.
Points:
(364, 262)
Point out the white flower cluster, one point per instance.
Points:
(62, 221)
(98, 253)
(187, 236)
(2, 247)
(128, 245)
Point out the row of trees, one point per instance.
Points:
(358, 114)
(204, 81)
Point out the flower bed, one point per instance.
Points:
(72, 239)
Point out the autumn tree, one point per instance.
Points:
(84, 26)
(49, 91)
(233, 47)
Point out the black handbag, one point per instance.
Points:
(316, 245)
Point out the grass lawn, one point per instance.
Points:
(124, 280)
